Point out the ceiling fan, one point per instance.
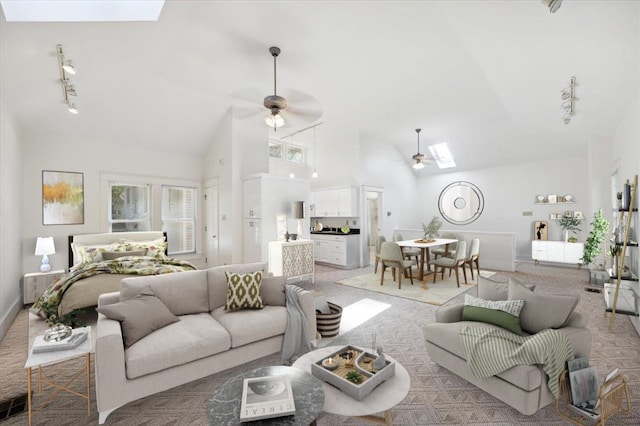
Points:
(419, 159)
(291, 108)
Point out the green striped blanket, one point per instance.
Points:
(491, 351)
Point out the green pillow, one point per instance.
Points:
(504, 313)
(243, 291)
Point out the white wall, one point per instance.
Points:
(92, 158)
(382, 165)
(10, 220)
(511, 190)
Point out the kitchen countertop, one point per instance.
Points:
(333, 231)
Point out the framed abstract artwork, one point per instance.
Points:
(62, 198)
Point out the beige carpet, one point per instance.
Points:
(425, 291)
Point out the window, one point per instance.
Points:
(130, 208)
(154, 205)
(179, 219)
(286, 152)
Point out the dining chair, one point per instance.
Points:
(474, 254)
(452, 263)
(441, 250)
(391, 256)
(381, 239)
(408, 252)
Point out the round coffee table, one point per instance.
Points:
(223, 407)
(382, 399)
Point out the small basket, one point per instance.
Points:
(329, 324)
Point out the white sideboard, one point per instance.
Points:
(337, 250)
(557, 251)
(292, 259)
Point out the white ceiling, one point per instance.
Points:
(484, 76)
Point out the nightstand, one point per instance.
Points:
(35, 283)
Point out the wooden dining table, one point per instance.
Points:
(424, 245)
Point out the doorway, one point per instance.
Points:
(211, 241)
(372, 206)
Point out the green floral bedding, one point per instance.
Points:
(46, 306)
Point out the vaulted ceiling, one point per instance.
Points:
(484, 76)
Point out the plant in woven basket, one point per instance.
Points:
(354, 377)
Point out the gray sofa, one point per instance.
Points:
(523, 387)
(205, 338)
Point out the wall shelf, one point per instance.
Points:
(553, 204)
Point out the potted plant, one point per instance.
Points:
(570, 224)
(431, 230)
(594, 245)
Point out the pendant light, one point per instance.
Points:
(292, 175)
(274, 103)
(418, 157)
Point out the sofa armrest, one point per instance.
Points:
(577, 319)
(109, 360)
(580, 339)
(451, 313)
(108, 298)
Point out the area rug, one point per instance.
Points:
(422, 291)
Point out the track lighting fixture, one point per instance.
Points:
(568, 97)
(68, 89)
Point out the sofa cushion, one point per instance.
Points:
(503, 313)
(541, 311)
(251, 325)
(139, 316)
(217, 280)
(191, 338)
(447, 337)
(272, 291)
(489, 289)
(243, 291)
(184, 293)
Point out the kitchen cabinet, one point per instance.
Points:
(336, 250)
(342, 202)
(252, 244)
(252, 199)
(293, 260)
(557, 251)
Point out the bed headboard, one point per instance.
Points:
(112, 237)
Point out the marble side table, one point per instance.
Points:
(223, 408)
(384, 397)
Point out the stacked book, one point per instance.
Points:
(77, 336)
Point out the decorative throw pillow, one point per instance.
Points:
(91, 254)
(541, 311)
(503, 313)
(139, 316)
(111, 255)
(243, 291)
(489, 289)
(155, 248)
(272, 291)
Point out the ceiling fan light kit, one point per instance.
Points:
(275, 103)
(66, 67)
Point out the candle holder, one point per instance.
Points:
(330, 364)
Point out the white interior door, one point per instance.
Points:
(211, 223)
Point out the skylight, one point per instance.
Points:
(440, 152)
(81, 10)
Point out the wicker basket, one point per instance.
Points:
(329, 324)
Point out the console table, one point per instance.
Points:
(557, 251)
(292, 259)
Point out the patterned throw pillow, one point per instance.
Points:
(503, 313)
(155, 248)
(91, 254)
(243, 291)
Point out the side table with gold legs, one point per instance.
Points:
(44, 359)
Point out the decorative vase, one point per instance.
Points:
(566, 235)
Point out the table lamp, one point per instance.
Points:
(45, 247)
(298, 213)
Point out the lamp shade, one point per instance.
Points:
(298, 209)
(45, 246)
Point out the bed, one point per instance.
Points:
(97, 264)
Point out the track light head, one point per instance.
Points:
(68, 67)
(72, 108)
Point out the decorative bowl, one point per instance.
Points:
(57, 332)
